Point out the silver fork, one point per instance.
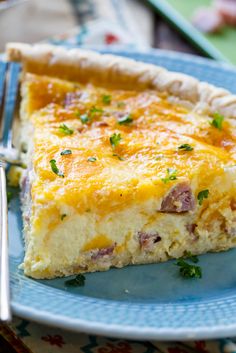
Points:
(9, 78)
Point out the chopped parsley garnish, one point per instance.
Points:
(115, 139)
(202, 195)
(55, 169)
(65, 152)
(121, 104)
(189, 271)
(125, 120)
(217, 120)
(95, 110)
(189, 256)
(65, 130)
(92, 159)
(63, 216)
(119, 157)
(87, 117)
(185, 147)
(84, 118)
(171, 175)
(106, 99)
(78, 281)
(9, 196)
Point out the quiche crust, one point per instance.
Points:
(87, 66)
(167, 186)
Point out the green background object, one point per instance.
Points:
(221, 46)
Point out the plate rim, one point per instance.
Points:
(121, 331)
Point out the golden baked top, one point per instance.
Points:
(103, 149)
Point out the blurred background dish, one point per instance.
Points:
(6, 4)
(184, 26)
(209, 25)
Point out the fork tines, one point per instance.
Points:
(9, 75)
(9, 78)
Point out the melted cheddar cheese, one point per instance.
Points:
(134, 169)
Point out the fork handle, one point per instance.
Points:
(5, 311)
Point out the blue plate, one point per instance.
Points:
(141, 302)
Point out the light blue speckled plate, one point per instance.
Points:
(141, 302)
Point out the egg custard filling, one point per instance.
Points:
(120, 176)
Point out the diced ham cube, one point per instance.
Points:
(191, 228)
(179, 199)
(147, 240)
(100, 253)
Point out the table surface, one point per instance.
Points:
(5, 346)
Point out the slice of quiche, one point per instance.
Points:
(127, 163)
